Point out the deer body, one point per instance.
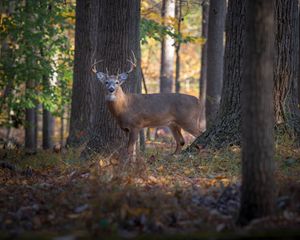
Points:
(134, 112)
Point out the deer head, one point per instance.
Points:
(113, 82)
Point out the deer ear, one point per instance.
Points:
(100, 76)
(123, 77)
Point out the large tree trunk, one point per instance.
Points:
(84, 102)
(203, 69)
(215, 52)
(118, 35)
(258, 114)
(226, 128)
(286, 65)
(167, 50)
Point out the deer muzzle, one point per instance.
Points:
(111, 89)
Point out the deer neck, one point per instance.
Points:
(117, 102)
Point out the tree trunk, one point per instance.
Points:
(203, 68)
(48, 122)
(258, 114)
(299, 60)
(62, 127)
(84, 91)
(226, 128)
(30, 124)
(167, 50)
(117, 36)
(167, 56)
(215, 52)
(286, 66)
(178, 14)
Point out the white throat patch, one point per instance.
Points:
(110, 97)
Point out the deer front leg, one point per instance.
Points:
(133, 135)
(176, 131)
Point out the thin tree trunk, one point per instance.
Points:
(142, 140)
(48, 123)
(167, 55)
(258, 114)
(142, 136)
(117, 20)
(62, 127)
(215, 54)
(67, 118)
(299, 59)
(30, 124)
(177, 72)
(178, 14)
(167, 50)
(203, 71)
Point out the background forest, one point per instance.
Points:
(64, 173)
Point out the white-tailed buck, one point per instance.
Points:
(136, 111)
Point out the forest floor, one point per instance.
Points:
(54, 196)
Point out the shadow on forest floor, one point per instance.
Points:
(50, 195)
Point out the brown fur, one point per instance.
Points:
(136, 111)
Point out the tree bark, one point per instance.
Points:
(299, 60)
(117, 36)
(287, 113)
(215, 54)
(258, 183)
(203, 68)
(178, 13)
(62, 127)
(225, 129)
(48, 122)
(167, 50)
(84, 91)
(30, 124)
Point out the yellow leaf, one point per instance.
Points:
(160, 168)
(114, 161)
(187, 171)
(152, 179)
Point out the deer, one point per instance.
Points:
(134, 111)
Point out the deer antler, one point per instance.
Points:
(132, 62)
(93, 67)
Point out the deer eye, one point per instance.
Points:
(117, 82)
(106, 82)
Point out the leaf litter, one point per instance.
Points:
(156, 194)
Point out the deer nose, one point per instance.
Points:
(111, 89)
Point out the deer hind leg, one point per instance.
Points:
(192, 129)
(176, 131)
